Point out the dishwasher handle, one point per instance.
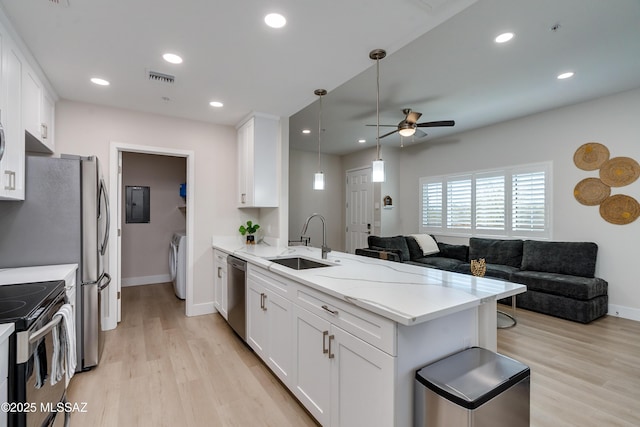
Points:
(237, 263)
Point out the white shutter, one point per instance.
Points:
(432, 204)
(528, 202)
(459, 204)
(490, 203)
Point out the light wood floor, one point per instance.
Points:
(161, 368)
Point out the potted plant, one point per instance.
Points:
(249, 230)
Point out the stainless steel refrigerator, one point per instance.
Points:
(64, 219)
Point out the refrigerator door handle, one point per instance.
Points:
(2, 141)
(103, 193)
(104, 285)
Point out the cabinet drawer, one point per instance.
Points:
(369, 327)
(278, 284)
(220, 256)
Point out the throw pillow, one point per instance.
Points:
(427, 243)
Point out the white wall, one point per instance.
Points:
(551, 136)
(87, 129)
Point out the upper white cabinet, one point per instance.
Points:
(258, 161)
(37, 113)
(12, 162)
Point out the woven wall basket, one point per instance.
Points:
(620, 209)
(619, 171)
(591, 191)
(591, 156)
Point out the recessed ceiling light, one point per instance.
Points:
(305, 131)
(362, 141)
(504, 37)
(172, 58)
(566, 75)
(99, 81)
(216, 104)
(275, 20)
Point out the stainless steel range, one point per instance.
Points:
(33, 398)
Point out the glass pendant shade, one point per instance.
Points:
(318, 181)
(378, 171)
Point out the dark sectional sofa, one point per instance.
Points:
(559, 275)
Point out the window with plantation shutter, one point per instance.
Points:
(459, 204)
(528, 205)
(432, 204)
(490, 203)
(509, 202)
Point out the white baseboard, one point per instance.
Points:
(145, 280)
(624, 312)
(200, 309)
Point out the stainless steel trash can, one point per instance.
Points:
(476, 388)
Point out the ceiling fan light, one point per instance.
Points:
(407, 131)
(318, 181)
(378, 171)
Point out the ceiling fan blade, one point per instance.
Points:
(386, 126)
(419, 134)
(436, 124)
(387, 134)
(413, 117)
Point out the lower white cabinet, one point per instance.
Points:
(269, 326)
(340, 379)
(220, 282)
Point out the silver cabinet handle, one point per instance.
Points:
(243, 198)
(331, 355)
(334, 312)
(43, 130)
(324, 342)
(219, 272)
(263, 301)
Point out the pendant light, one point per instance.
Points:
(378, 164)
(318, 179)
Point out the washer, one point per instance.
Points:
(178, 263)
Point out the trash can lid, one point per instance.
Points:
(472, 377)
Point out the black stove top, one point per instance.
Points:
(23, 303)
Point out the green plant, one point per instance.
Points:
(250, 228)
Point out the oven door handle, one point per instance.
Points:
(45, 329)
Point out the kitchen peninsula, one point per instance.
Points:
(347, 336)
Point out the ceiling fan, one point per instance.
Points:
(409, 126)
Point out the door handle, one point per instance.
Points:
(324, 343)
(331, 355)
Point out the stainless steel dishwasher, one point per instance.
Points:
(236, 290)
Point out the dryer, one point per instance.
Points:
(178, 263)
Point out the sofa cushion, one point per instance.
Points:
(415, 251)
(496, 251)
(379, 253)
(441, 263)
(576, 287)
(459, 252)
(575, 258)
(563, 307)
(389, 243)
(427, 243)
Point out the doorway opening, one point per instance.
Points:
(359, 208)
(183, 215)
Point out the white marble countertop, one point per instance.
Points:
(404, 293)
(41, 273)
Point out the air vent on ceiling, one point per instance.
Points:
(161, 77)
(64, 3)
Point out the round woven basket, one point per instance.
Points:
(619, 171)
(591, 156)
(591, 191)
(620, 209)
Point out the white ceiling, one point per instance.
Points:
(229, 53)
(441, 58)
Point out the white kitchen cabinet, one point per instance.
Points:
(269, 323)
(37, 113)
(258, 161)
(341, 380)
(12, 163)
(220, 282)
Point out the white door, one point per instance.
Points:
(118, 278)
(359, 205)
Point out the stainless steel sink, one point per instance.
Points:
(298, 263)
